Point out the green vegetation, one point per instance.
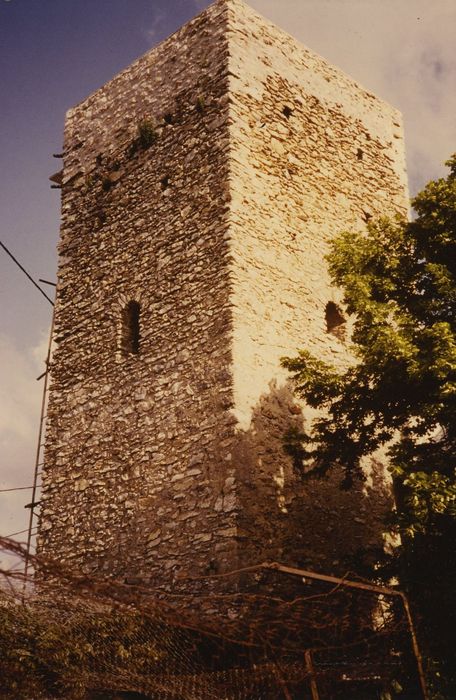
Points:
(399, 282)
(147, 134)
(46, 655)
(200, 104)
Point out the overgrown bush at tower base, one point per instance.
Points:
(67, 635)
(45, 656)
(113, 655)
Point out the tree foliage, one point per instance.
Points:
(399, 282)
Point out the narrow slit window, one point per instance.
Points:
(131, 328)
(335, 320)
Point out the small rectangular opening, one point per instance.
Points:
(131, 328)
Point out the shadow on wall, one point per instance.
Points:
(309, 522)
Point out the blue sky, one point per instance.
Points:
(55, 52)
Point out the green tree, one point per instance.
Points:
(399, 281)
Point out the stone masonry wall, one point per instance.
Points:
(136, 442)
(170, 462)
(312, 154)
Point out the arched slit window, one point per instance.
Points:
(335, 320)
(131, 328)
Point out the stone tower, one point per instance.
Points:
(199, 191)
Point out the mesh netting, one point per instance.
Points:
(269, 635)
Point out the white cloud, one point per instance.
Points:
(20, 401)
(20, 390)
(154, 30)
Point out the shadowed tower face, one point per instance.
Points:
(200, 189)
